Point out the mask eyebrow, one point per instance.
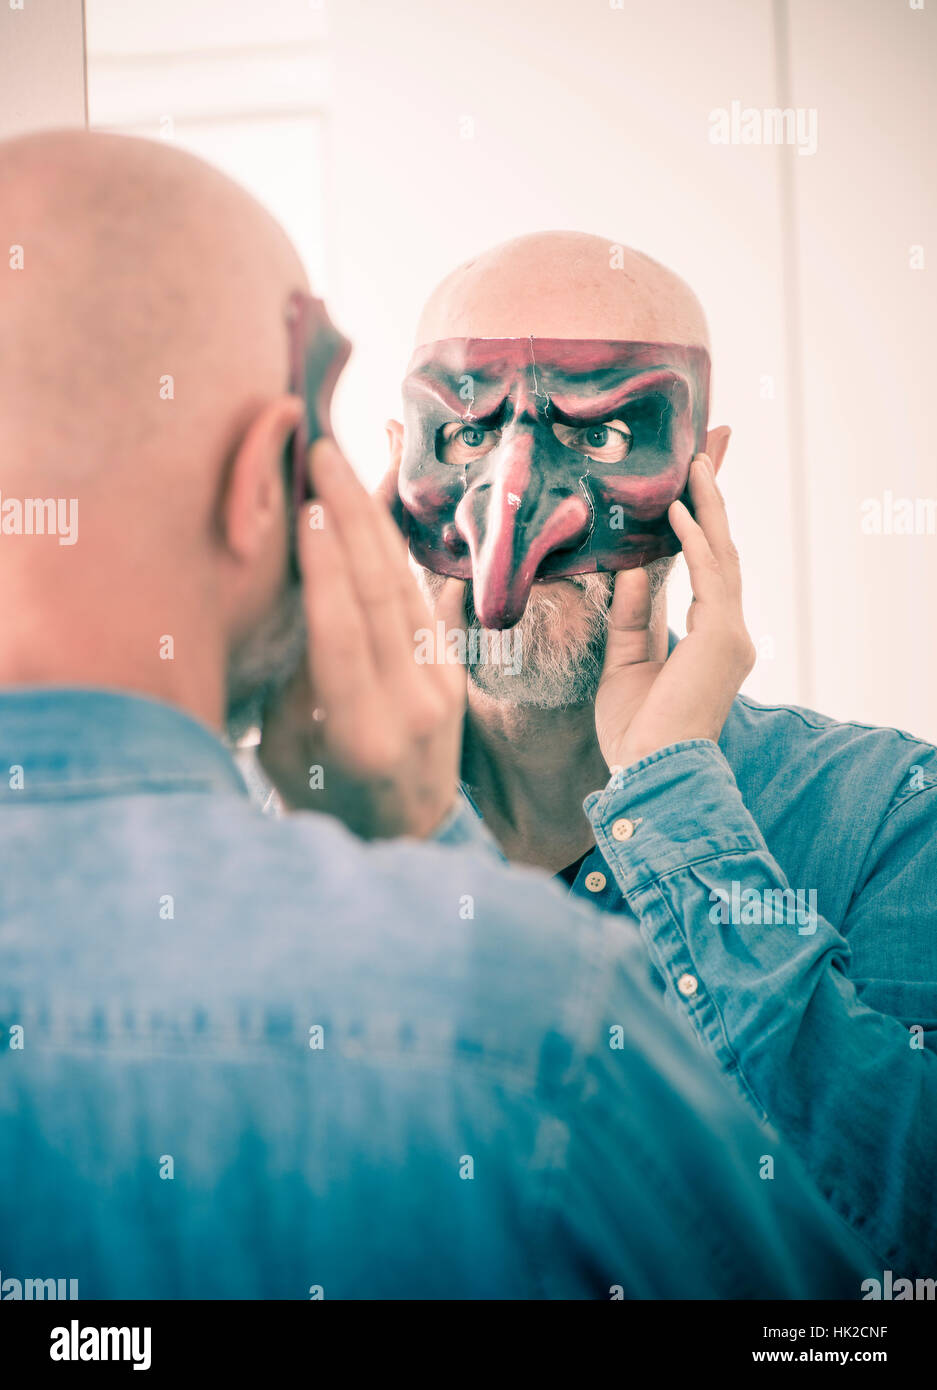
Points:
(595, 405)
(479, 422)
(488, 397)
(578, 417)
(494, 420)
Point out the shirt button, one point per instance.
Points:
(688, 985)
(623, 828)
(595, 882)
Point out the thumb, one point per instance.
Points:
(629, 620)
(450, 611)
(387, 491)
(450, 605)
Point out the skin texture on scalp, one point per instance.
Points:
(563, 285)
(140, 338)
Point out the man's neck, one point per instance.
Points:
(528, 771)
(98, 631)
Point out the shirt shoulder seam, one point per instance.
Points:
(829, 722)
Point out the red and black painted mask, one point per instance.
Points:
(532, 458)
(317, 355)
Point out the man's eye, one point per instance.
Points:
(462, 443)
(608, 442)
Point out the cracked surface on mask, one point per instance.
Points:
(490, 490)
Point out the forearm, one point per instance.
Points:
(772, 1001)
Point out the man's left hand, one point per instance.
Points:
(643, 705)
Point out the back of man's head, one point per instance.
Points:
(142, 336)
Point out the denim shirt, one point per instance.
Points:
(823, 1016)
(243, 1056)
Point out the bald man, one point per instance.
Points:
(247, 1057)
(779, 868)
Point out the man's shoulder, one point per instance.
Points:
(457, 908)
(789, 749)
(396, 945)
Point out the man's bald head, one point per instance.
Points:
(563, 285)
(144, 371)
(140, 263)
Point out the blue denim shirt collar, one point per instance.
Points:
(75, 742)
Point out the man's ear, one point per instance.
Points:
(394, 430)
(254, 504)
(387, 487)
(717, 441)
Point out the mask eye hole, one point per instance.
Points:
(459, 443)
(606, 441)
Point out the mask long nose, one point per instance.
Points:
(511, 522)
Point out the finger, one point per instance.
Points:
(386, 490)
(629, 620)
(355, 514)
(396, 548)
(706, 577)
(450, 605)
(450, 612)
(398, 556)
(416, 610)
(341, 664)
(376, 557)
(414, 607)
(362, 520)
(711, 514)
(391, 603)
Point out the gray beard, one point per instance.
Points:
(557, 662)
(264, 663)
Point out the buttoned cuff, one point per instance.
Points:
(678, 806)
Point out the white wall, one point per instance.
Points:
(870, 350)
(42, 68)
(242, 86)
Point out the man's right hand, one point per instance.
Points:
(384, 729)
